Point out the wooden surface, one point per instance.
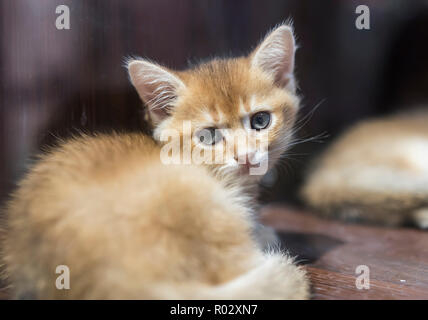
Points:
(331, 251)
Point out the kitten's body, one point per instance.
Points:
(129, 226)
(377, 171)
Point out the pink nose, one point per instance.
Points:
(245, 159)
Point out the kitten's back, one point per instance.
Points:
(128, 226)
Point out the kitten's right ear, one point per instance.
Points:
(157, 86)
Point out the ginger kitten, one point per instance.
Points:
(376, 172)
(128, 224)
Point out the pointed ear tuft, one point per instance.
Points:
(156, 85)
(275, 56)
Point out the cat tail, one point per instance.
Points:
(276, 277)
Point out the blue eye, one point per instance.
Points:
(209, 136)
(260, 120)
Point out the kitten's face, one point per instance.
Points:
(235, 115)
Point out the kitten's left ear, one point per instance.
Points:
(275, 56)
(157, 86)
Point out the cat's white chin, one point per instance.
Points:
(251, 174)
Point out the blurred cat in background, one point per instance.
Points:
(376, 172)
(129, 226)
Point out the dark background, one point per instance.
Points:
(56, 82)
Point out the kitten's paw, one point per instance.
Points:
(286, 280)
(420, 217)
(299, 281)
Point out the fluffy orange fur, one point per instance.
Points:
(376, 172)
(129, 226)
